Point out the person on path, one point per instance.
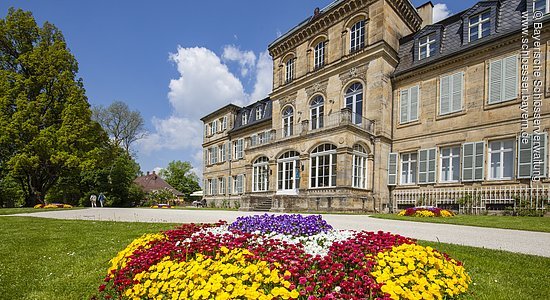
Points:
(93, 199)
(101, 199)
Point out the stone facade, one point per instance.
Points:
(350, 64)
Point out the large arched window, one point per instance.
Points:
(354, 101)
(323, 166)
(288, 121)
(359, 167)
(288, 172)
(260, 174)
(319, 55)
(317, 110)
(289, 69)
(357, 36)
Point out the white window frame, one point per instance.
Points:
(221, 182)
(287, 165)
(502, 152)
(224, 122)
(357, 36)
(288, 121)
(409, 105)
(289, 70)
(259, 113)
(210, 187)
(222, 152)
(352, 101)
(331, 156)
(478, 22)
(454, 154)
(412, 173)
(360, 167)
(244, 118)
(546, 6)
(319, 55)
(426, 42)
(317, 110)
(214, 186)
(260, 175)
(238, 146)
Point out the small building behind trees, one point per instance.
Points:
(152, 184)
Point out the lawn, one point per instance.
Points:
(26, 210)
(541, 224)
(66, 259)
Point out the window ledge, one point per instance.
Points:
(404, 186)
(451, 115)
(448, 184)
(499, 181)
(489, 106)
(408, 124)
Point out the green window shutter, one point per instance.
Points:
(479, 161)
(445, 95)
(468, 162)
(228, 150)
(404, 106)
(422, 166)
(510, 78)
(205, 156)
(392, 169)
(542, 159)
(457, 86)
(432, 161)
(413, 103)
(524, 158)
(495, 81)
(229, 185)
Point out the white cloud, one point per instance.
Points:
(441, 11)
(204, 85)
(246, 59)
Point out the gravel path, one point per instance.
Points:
(536, 243)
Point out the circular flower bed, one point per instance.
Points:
(424, 212)
(280, 257)
(53, 205)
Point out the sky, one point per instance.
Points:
(175, 61)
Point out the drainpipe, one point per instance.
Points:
(373, 140)
(392, 79)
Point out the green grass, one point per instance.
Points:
(541, 224)
(26, 210)
(67, 259)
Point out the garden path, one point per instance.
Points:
(536, 243)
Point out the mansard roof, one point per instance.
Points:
(250, 112)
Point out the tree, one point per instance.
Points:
(47, 131)
(180, 176)
(123, 125)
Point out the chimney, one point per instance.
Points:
(154, 173)
(426, 12)
(147, 173)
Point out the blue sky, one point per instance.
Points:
(175, 61)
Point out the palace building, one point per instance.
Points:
(374, 108)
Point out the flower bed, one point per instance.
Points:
(161, 206)
(53, 205)
(426, 212)
(280, 257)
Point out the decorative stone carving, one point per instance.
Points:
(290, 99)
(317, 87)
(359, 72)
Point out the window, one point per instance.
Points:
(238, 184)
(426, 166)
(357, 37)
(323, 166)
(222, 152)
(408, 168)
(223, 121)
(359, 167)
(213, 155)
(479, 26)
(501, 160)
(288, 121)
(221, 180)
(259, 113)
(540, 5)
(503, 79)
(244, 119)
(212, 126)
(210, 187)
(317, 110)
(450, 96)
(392, 169)
(409, 105)
(288, 172)
(426, 46)
(260, 174)
(449, 160)
(473, 160)
(319, 55)
(238, 148)
(354, 101)
(532, 156)
(289, 74)
(205, 129)
(214, 186)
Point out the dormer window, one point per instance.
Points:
(479, 26)
(357, 36)
(289, 67)
(426, 46)
(244, 119)
(259, 113)
(541, 6)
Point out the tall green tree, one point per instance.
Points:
(47, 132)
(180, 175)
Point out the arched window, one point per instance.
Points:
(288, 172)
(289, 69)
(260, 174)
(288, 121)
(359, 167)
(319, 55)
(357, 36)
(323, 166)
(317, 110)
(354, 101)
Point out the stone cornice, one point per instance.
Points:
(333, 16)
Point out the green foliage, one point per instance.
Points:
(47, 132)
(180, 176)
(11, 194)
(161, 196)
